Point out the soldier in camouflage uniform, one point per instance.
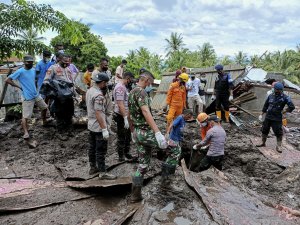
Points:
(144, 131)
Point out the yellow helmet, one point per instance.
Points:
(184, 77)
(202, 117)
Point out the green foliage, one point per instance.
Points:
(18, 16)
(241, 59)
(16, 108)
(143, 58)
(91, 50)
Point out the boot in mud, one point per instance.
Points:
(165, 175)
(136, 189)
(93, 170)
(279, 143)
(263, 141)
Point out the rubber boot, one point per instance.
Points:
(279, 142)
(227, 116)
(136, 189)
(263, 141)
(219, 114)
(164, 174)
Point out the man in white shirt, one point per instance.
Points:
(194, 99)
(119, 71)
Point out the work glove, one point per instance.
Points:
(230, 97)
(133, 137)
(126, 124)
(162, 143)
(195, 147)
(167, 136)
(105, 134)
(260, 118)
(213, 97)
(204, 147)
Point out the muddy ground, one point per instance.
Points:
(50, 184)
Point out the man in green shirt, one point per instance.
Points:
(144, 131)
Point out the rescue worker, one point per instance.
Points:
(194, 99)
(222, 92)
(273, 110)
(120, 116)
(202, 121)
(174, 149)
(203, 83)
(144, 131)
(97, 125)
(62, 107)
(26, 77)
(216, 137)
(176, 98)
(87, 76)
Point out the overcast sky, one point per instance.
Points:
(252, 26)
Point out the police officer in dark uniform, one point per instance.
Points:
(222, 91)
(273, 109)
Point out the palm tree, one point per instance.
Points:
(241, 58)
(225, 60)
(31, 39)
(174, 44)
(207, 54)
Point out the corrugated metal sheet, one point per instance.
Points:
(13, 95)
(160, 96)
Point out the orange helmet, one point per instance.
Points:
(202, 117)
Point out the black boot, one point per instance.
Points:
(279, 142)
(136, 189)
(93, 169)
(263, 141)
(164, 174)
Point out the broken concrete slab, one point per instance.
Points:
(21, 194)
(78, 169)
(229, 204)
(288, 157)
(122, 171)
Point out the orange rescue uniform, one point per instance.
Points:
(204, 130)
(176, 99)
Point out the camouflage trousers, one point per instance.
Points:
(173, 152)
(146, 141)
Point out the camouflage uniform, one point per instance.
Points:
(174, 152)
(144, 135)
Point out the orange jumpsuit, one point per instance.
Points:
(204, 131)
(176, 99)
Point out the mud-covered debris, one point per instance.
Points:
(230, 204)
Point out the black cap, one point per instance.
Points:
(46, 53)
(101, 76)
(214, 118)
(28, 58)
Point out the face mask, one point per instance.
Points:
(104, 68)
(47, 60)
(104, 90)
(220, 73)
(193, 78)
(203, 124)
(29, 65)
(61, 51)
(64, 65)
(277, 92)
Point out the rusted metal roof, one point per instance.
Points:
(161, 93)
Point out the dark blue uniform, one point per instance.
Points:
(223, 84)
(273, 108)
